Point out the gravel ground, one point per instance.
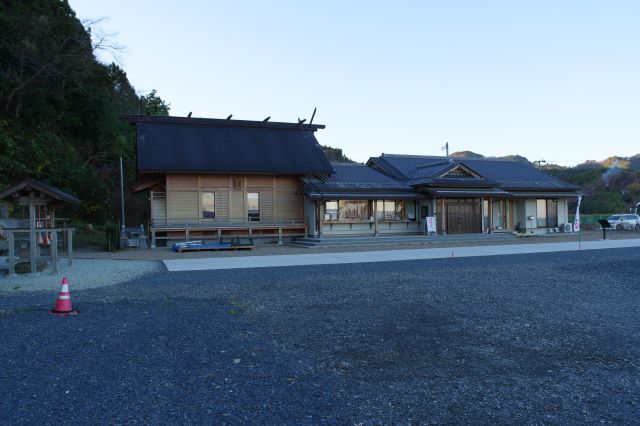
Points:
(546, 338)
(83, 273)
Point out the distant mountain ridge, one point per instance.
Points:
(471, 154)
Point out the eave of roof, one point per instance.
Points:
(471, 183)
(362, 195)
(33, 184)
(217, 122)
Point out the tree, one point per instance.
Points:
(152, 104)
(59, 106)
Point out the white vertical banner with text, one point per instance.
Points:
(576, 222)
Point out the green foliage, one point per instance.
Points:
(335, 154)
(152, 104)
(581, 176)
(604, 202)
(112, 234)
(59, 107)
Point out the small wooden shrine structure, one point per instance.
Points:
(42, 200)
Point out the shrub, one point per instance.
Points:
(113, 237)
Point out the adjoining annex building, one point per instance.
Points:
(215, 179)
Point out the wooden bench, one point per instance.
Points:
(201, 246)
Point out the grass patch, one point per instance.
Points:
(7, 312)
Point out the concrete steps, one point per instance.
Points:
(403, 239)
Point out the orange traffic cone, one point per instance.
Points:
(63, 303)
(45, 240)
(39, 239)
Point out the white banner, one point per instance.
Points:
(576, 222)
(431, 224)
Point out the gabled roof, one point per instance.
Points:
(507, 174)
(197, 145)
(357, 181)
(27, 185)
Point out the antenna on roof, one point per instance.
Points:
(312, 115)
(301, 121)
(266, 119)
(446, 146)
(189, 115)
(229, 117)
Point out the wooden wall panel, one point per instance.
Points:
(182, 181)
(214, 181)
(289, 205)
(266, 205)
(159, 208)
(236, 205)
(287, 182)
(259, 182)
(183, 205)
(278, 198)
(222, 204)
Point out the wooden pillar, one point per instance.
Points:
(490, 212)
(11, 241)
(33, 243)
(375, 217)
(482, 230)
(70, 246)
(443, 214)
(54, 250)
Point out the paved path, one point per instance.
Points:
(387, 255)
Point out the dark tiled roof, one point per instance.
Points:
(358, 181)
(357, 176)
(28, 184)
(180, 145)
(507, 174)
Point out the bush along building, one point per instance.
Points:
(216, 179)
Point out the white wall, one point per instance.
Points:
(530, 209)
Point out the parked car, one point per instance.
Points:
(625, 221)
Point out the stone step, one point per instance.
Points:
(381, 240)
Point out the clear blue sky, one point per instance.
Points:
(552, 80)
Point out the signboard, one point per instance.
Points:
(431, 224)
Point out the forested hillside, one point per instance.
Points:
(59, 107)
(611, 185)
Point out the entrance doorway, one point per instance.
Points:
(463, 215)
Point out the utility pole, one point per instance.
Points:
(446, 147)
(122, 193)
